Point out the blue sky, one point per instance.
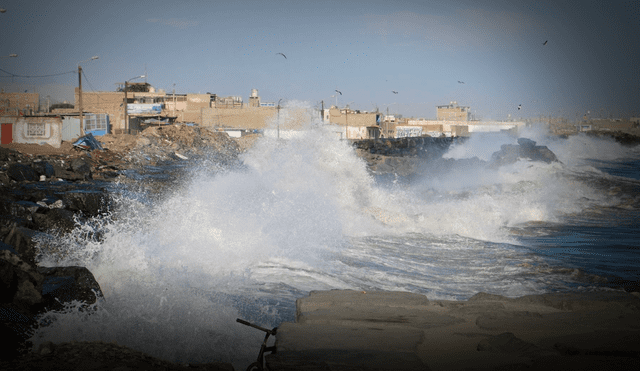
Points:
(365, 49)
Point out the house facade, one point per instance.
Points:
(354, 124)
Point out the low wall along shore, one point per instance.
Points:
(358, 330)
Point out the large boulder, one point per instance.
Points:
(44, 168)
(65, 284)
(20, 282)
(20, 297)
(22, 172)
(526, 149)
(89, 202)
(55, 220)
(63, 173)
(22, 240)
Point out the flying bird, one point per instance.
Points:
(339, 92)
(460, 82)
(519, 106)
(285, 57)
(394, 92)
(545, 42)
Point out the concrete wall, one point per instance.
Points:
(255, 118)
(38, 130)
(336, 116)
(11, 103)
(403, 131)
(494, 126)
(464, 128)
(109, 102)
(452, 112)
(245, 118)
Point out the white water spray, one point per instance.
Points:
(301, 214)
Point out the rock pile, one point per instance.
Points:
(408, 156)
(159, 144)
(526, 149)
(45, 191)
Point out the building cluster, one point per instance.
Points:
(135, 106)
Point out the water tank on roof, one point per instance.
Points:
(152, 89)
(162, 91)
(254, 93)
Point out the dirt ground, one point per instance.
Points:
(66, 148)
(122, 143)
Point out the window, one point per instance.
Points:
(95, 122)
(36, 129)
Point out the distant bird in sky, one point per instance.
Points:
(545, 42)
(339, 92)
(394, 92)
(519, 106)
(285, 57)
(460, 82)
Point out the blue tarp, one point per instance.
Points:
(87, 142)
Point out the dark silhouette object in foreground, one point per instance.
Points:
(259, 364)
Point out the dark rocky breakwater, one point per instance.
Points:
(47, 192)
(407, 156)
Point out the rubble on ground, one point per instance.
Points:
(46, 191)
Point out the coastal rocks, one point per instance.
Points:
(401, 156)
(55, 220)
(20, 282)
(158, 144)
(21, 173)
(408, 156)
(26, 291)
(21, 240)
(43, 168)
(59, 205)
(98, 356)
(424, 147)
(80, 166)
(62, 285)
(88, 202)
(47, 192)
(626, 139)
(526, 149)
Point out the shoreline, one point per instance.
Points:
(41, 210)
(346, 329)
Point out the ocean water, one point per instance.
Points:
(303, 213)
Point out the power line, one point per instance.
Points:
(88, 82)
(34, 76)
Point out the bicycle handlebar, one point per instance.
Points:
(272, 332)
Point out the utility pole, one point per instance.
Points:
(80, 100)
(279, 118)
(80, 93)
(126, 113)
(346, 123)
